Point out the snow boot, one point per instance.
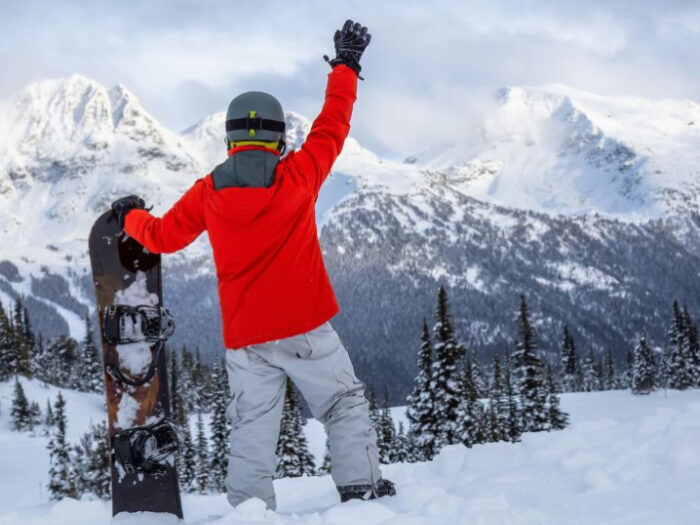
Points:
(383, 488)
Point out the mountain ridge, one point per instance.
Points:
(548, 205)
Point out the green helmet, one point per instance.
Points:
(255, 117)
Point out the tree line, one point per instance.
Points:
(455, 399)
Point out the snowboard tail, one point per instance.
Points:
(125, 273)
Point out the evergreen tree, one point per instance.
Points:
(480, 381)
(7, 353)
(644, 371)
(557, 419)
(400, 454)
(90, 363)
(91, 462)
(514, 427)
(530, 374)
(219, 426)
(471, 414)
(292, 448)
(570, 364)
(20, 412)
(498, 404)
(34, 415)
(61, 479)
(373, 409)
(591, 380)
(48, 418)
(693, 345)
(413, 453)
(386, 434)
(187, 460)
(78, 468)
(23, 341)
(326, 466)
(610, 377)
(629, 371)
(445, 383)
(420, 412)
(59, 362)
(200, 383)
(202, 450)
(177, 403)
(187, 389)
(680, 374)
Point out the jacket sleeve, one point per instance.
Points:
(328, 132)
(181, 225)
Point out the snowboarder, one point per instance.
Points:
(276, 298)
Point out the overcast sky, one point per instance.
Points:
(429, 69)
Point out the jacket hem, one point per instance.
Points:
(281, 334)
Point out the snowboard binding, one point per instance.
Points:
(123, 324)
(148, 449)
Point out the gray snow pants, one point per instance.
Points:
(320, 367)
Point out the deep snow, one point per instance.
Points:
(624, 460)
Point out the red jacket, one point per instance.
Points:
(272, 281)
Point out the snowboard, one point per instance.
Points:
(124, 272)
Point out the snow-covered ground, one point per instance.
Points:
(624, 460)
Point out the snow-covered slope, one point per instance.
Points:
(624, 459)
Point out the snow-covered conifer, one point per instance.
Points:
(292, 448)
(90, 362)
(644, 370)
(693, 342)
(91, 462)
(514, 427)
(610, 376)
(680, 373)
(61, 479)
(187, 460)
(628, 374)
(202, 451)
(570, 363)
(591, 380)
(446, 382)
(473, 424)
(20, 411)
(48, 417)
(557, 418)
(219, 396)
(325, 467)
(420, 411)
(498, 404)
(400, 453)
(7, 353)
(386, 434)
(34, 415)
(530, 375)
(23, 340)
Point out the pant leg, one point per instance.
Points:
(320, 367)
(257, 390)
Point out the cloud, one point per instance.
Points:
(427, 61)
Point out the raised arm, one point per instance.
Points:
(330, 129)
(180, 225)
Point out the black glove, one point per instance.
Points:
(350, 42)
(122, 206)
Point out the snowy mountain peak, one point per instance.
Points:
(563, 151)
